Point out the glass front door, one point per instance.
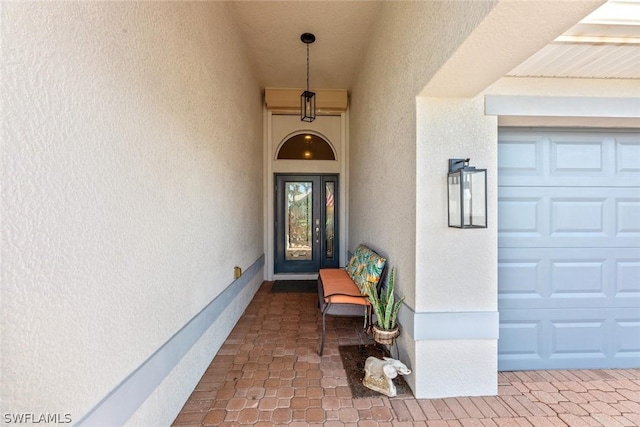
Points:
(306, 223)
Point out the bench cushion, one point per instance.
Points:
(338, 288)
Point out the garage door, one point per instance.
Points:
(569, 249)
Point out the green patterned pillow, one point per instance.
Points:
(365, 266)
(370, 272)
(357, 258)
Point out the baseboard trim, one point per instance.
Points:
(125, 399)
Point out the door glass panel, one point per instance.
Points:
(329, 225)
(298, 220)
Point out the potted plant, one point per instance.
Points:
(385, 308)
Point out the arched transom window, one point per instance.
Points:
(306, 146)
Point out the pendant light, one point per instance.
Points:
(308, 98)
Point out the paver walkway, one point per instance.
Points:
(268, 372)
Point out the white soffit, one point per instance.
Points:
(605, 44)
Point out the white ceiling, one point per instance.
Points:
(604, 45)
(272, 29)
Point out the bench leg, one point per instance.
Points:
(367, 319)
(324, 326)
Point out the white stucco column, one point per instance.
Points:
(455, 320)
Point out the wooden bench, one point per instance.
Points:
(340, 291)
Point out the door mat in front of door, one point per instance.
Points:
(305, 286)
(353, 358)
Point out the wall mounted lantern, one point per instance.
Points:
(308, 98)
(467, 189)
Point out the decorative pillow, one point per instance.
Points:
(352, 265)
(365, 266)
(356, 259)
(371, 272)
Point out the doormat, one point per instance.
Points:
(353, 358)
(305, 286)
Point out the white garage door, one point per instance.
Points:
(569, 249)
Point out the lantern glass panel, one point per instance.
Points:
(455, 213)
(476, 193)
(467, 197)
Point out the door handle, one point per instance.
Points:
(317, 234)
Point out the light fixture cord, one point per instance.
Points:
(307, 67)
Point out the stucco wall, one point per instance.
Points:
(383, 123)
(459, 272)
(411, 42)
(131, 186)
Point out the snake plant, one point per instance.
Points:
(385, 307)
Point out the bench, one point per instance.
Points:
(342, 292)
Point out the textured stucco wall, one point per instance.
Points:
(383, 123)
(459, 272)
(131, 186)
(411, 42)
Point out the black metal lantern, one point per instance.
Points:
(467, 190)
(308, 98)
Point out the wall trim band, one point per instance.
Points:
(125, 399)
(453, 325)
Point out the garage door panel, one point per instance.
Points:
(576, 215)
(568, 339)
(520, 215)
(575, 159)
(628, 278)
(535, 278)
(584, 338)
(520, 156)
(520, 278)
(583, 278)
(628, 156)
(628, 344)
(520, 340)
(568, 217)
(627, 217)
(580, 157)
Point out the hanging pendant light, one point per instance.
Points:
(308, 98)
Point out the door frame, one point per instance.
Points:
(277, 129)
(318, 215)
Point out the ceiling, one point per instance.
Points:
(272, 29)
(606, 44)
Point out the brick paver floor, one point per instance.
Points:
(268, 372)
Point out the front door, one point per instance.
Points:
(306, 223)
